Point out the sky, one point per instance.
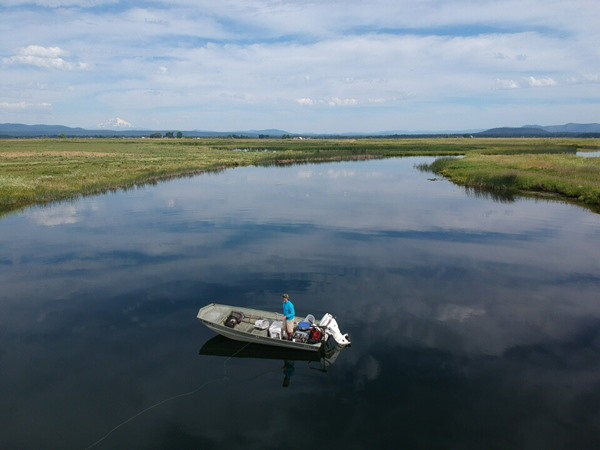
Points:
(323, 66)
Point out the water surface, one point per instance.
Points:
(475, 322)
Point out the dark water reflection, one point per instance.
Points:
(475, 323)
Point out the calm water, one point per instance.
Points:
(475, 323)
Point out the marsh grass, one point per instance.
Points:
(570, 176)
(38, 171)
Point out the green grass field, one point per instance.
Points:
(571, 177)
(37, 171)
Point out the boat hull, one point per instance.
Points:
(213, 317)
(219, 345)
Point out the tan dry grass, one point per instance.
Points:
(55, 154)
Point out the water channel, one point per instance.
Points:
(475, 322)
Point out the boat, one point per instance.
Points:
(265, 327)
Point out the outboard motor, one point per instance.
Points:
(331, 328)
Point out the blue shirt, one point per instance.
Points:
(288, 310)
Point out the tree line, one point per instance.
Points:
(168, 134)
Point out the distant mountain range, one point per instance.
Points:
(16, 130)
(569, 129)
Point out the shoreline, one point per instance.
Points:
(37, 172)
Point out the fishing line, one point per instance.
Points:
(162, 402)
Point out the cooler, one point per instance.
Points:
(275, 329)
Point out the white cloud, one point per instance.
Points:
(45, 57)
(500, 55)
(335, 101)
(590, 78)
(305, 101)
(540, 82)
(332, 101)
(506, 84)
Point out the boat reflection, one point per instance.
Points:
(321, 360)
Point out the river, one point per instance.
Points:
(475, 322)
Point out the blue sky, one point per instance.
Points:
(301, 66)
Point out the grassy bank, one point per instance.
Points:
(568, 176)
(40, 171)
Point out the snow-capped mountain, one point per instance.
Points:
(115, 124)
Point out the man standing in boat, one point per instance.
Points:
(289, 315)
